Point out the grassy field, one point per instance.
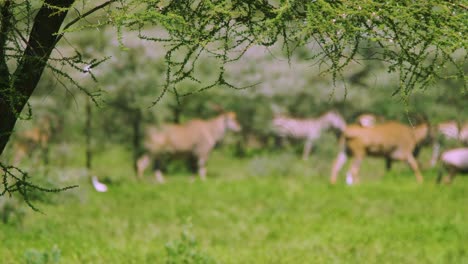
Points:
(267, 209)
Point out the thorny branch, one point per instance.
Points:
(344, 31)
(14, 180)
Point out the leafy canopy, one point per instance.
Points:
(420, 40)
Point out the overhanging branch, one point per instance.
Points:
(89, 12)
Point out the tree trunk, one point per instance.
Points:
(42, 41)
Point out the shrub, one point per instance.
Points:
(10, 210)
(186, 250)
(34, 256)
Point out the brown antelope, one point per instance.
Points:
(196, 137)
(368, 120)
(454, 161)
(28, 140)
(391, 140)
(308, 129)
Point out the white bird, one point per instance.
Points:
(98, 186)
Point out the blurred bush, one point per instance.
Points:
(186, 250)
(11, 210)
(34, 256)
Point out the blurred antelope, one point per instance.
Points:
(391, 140)
(196, 137)
(454, 161)
(368, 120)
(36, 137)
(308, 129)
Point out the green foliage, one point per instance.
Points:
(34, 256)
(11, 211)
(47, 182)
(15, 180)
(185, 250)
(417, 40)
(423, 42)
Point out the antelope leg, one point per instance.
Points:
(338, 164)
(142, 164)
(435, 153)
(157, 171)
(449, 178)
(307, 148)
(388, 164)
(355, 166)
(202, 168)
(414, 166)
(159, 176)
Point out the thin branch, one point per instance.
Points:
(89, 12)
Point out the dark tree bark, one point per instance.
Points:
(15, 93)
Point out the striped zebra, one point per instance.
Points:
(308, 129)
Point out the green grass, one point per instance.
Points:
(267, 209)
